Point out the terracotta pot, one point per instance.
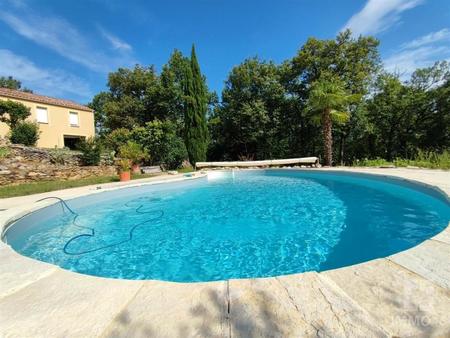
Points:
(125, 176)
(136, 169)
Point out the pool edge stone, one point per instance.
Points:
(423, 288)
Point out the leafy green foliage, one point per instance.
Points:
(98, 105)
(195, 105)
(161, 141)
(90, 151)
(25, 132)
(408, 117)
(328, 93)
(117, 138)
(133, 151)
(327, 102)
(12, 83)
(353, 61)
(140, 95)
(60, 155)
(124, 164)
(249, 123)
(4, 152)
(270, 110)
(130, 100)
(423, 159)
(12, 112)
(171, 98)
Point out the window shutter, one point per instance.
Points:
(41, 115)
(73, 119)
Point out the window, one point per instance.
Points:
(73, 119)
(41, 115)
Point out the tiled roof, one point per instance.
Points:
(19, 95)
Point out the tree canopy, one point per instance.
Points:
(328, 103)
(268, 110)
(195, 107)
(12, 83)
(12, 112)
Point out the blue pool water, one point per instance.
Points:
(233, 225)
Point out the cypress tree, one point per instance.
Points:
(196, 130)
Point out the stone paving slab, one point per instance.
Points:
(430, 259)
(17, 271)
(402, 302)
(328, 309)
(164, 309)
(405, 295)
(261, 308)
(443, 236)
(440, 179)
(64, 304)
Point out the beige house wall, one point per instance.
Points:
(52, 133)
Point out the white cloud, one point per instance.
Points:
(116, 43)
(43, 81)
(60, 36)
(407, 61)
(419, 53)
(379, 15)
(442, 35)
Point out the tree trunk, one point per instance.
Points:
(341, 148)
(327, 137)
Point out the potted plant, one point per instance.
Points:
(135, 153)
(124, 169)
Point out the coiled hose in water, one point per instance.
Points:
(91, 231)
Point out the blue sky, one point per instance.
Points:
(66, 48)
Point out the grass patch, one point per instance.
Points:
(185, 170)
(46, 186)
(377, 162)
(423, 159)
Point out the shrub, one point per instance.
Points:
(377, 162)
(26, 133)
(423, 159)
(4, 152)
(60, 155)
(176, 153)
(157, 138)
(90, 151)
(107, 157)
(133, 152)
(162, 142)
(12, 113)
(117, 138)
(124, 165)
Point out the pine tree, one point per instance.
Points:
(196, 131)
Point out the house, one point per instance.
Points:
(62, 123)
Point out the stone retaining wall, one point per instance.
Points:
(19, 164)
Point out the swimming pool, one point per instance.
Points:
(233, 224)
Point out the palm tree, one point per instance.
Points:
(327, 103)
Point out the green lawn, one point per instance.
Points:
(45, 186)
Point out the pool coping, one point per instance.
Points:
(418, 279)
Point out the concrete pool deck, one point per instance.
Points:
(406, 294)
